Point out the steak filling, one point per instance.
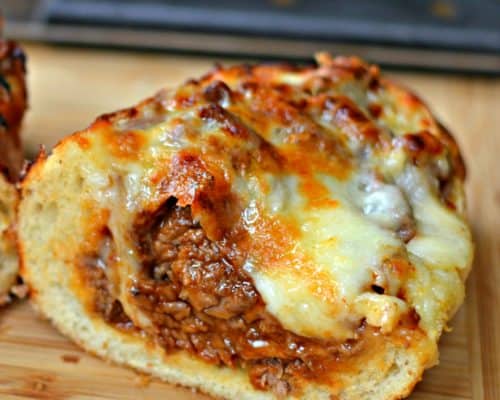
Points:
(200, 299)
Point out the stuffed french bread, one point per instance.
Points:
(263, 232)
(12, 107)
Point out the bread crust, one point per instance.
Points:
(57, 219)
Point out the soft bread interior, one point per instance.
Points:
(50, 229)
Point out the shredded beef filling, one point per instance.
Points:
(199, 299)
(103, 302)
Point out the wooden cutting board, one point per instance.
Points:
(69, 87)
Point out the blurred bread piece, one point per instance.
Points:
(13, 103)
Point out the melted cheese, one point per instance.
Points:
(443, 240)
(334, 261)
(441, 251)
(319, 238)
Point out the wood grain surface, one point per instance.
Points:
(70, 87)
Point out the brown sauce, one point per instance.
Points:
(94, 274)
